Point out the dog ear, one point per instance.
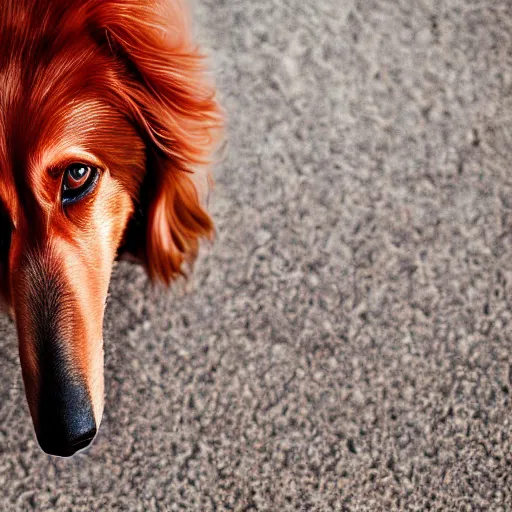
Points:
(165, 90)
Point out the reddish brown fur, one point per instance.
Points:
(116, 84)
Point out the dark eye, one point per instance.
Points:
(79, 180)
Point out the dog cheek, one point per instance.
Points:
(111, 216)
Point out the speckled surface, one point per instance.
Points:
(346, 344)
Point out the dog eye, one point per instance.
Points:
(79, 180)
(77, 175)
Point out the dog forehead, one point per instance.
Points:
(27, 125)
(62, 102)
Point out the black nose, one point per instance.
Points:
(65, 422)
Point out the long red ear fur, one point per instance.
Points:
(169, 97)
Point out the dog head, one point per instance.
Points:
(105, 121)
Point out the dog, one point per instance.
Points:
(108, 124)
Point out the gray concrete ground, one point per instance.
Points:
(345, 345)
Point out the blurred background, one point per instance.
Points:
(345, 344)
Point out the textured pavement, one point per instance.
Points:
(346, 343)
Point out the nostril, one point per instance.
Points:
(84, 440)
